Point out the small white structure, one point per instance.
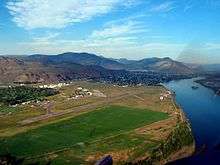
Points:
(79, 88)
(124, 86)
(59, 85)
(165, 95)
(38, 102)
(25, 103)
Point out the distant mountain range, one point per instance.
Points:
(165, 65)
(85, 59)
(68, 66)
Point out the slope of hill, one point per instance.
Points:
(78, 58)
(162, 65)
(125, 61)
(14, 70)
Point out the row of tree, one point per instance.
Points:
(20, 94)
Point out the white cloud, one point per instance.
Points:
(163, 7)
(212, 46)
(115, 39)
(133, 17)
(31, 14)
(116, 30)
(124, 47)
(46, 37)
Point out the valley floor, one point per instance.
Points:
(132, 124)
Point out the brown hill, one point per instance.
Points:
(16, 70)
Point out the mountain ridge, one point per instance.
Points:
(68, 66)
(80, 58)
(165, 65)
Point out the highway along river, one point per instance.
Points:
(202, 108)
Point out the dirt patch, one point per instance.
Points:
(118, 156)
(158, 130)
(98, 93)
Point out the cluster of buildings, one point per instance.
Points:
(81, 92)
(165, 95)
(53, 86)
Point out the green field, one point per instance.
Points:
(86, 128)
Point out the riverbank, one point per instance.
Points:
(188, 150)
(211, 83)
(180, 143)
(201, 108)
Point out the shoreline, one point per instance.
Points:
(185, 151)
(179, 144)
(216, 91)
(205, 83)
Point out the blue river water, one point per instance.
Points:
(202, 108)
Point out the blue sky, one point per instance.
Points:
(186, 30)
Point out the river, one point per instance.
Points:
(202, 108)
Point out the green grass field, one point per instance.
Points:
(86, 128)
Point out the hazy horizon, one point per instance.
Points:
(134, 29)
